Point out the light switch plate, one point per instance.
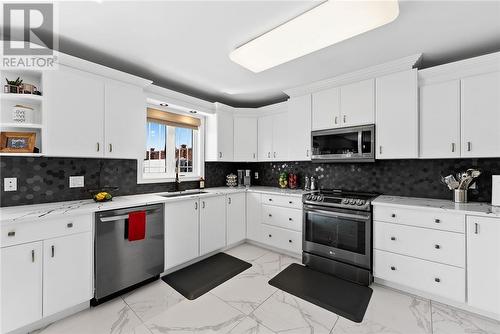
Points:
(76, 181)
(10, 184)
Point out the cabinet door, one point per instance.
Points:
(225, 138)
(254, 208)
(212, 224)
(245, 139)
(440, 120)
(357, 103)
(265, 138)
(236, 222)
(181, 232)
(483, 263)
(397, 116)
(280, 137)
(125, 121)
(21, 285)
(481, 115)
(67, 272)
(326, 109)
(299, 128)
(74, 101)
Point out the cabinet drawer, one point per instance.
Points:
(434, 219)
(44, 229)
(431, 277)
(288, 240)
(280, 200)
(439, 246)
(282, 217)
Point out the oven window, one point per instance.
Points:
(341, 143)
(340, 233)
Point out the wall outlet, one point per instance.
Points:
(10, 184)
(76, 181)
(256, 175)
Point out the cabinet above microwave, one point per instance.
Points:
(352, 144)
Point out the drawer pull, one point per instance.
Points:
(437, 221)
(393, 238)
(393, 268)
(270, 199)
(11, 234)
(476, 228)
(52, 250)
(32, 255)
(290, 241)
(290, 202)
(270, 235)
(437, 246)
(69, 225)
(437, 280)
(290, 219)
(270, 215)
(393, 215)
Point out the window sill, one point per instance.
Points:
(145, 179)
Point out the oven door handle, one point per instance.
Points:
(338, 214)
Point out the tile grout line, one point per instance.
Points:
(432, 320)
(335, 324)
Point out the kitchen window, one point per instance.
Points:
(172, 144)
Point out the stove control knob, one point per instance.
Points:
(360, 202)
(352, 201)
(345, 201)
(320, 198)
(314, 197)
(308, 197)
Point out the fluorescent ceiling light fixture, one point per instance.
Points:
(329, 23)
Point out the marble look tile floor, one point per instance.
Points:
(248, 304)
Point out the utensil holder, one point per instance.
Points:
(460, 196)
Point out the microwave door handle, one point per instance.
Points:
(360, 143)
(338, 214)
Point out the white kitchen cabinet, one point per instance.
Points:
(299, 128)
(67, 272)
(480, 110)
(125, 121)
(280, 137)
(326, 109)
(236, 220)
(245, 138)
(440, 120)
(483, 263)
(397, 116)
(219, 135)
(357, 103)
(212, 224)
(181, 231)
(265, 138)
(74, 101)
(254, 208)
(21, 284)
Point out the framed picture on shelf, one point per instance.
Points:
(17, 142)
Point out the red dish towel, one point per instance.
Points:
(136, 225)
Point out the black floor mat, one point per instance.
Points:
(344, 298)
(201, 277)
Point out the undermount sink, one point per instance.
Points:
(184, 193)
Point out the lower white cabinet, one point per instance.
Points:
(21, 273)
(181, 231)
(236, 220)
(254, 208)
(212, 224)
(483, 263)
(67, 279)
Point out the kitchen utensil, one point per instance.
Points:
(450, 181)
(460, 196)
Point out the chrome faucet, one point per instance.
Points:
(177, 180)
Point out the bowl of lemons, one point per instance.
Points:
(103, 196)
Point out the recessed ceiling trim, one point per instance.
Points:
(327, 24)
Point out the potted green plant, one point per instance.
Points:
(13, 86)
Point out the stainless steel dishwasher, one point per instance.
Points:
(120, 263)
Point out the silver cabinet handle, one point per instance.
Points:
(393, 215)
(336, 119)
(476, 228)
(469, 146)
(220, 154)
(290, 219)
(270, 199)
(203, 204)
(268, 154)
(307, 153)
(229, 200)
(270, 215)
(437, 246)
(270, 235)
(437, 280)
(98, 147)
(32, 255)
(69, 225)
(290, 240)
(254, 155)
(344, 118)
(110, 147)
(393, 238)
(52, 250)
(437, 221)
(453, 147)
(290, 202)
(393, 268)
(11, 234)
(274, 154)
(380, 149)
(196, 205)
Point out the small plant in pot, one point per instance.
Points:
(14, 85)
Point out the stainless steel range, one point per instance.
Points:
(337, 234)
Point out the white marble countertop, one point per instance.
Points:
(472, 208)
(23, 213)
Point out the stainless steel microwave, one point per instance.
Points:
(352, 144)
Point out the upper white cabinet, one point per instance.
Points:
(236, 220)
(396, 122)
(483, 263)
(326, 109)
(273, 137)
(480, 97)
(212, 224)
(440, 120)
(21, 284)
(219, 135)
(245, 138)
(265, 138)
(357, 103)
(74, 101)
(125, 120)
(299, 128)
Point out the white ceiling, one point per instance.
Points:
(184, 45)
